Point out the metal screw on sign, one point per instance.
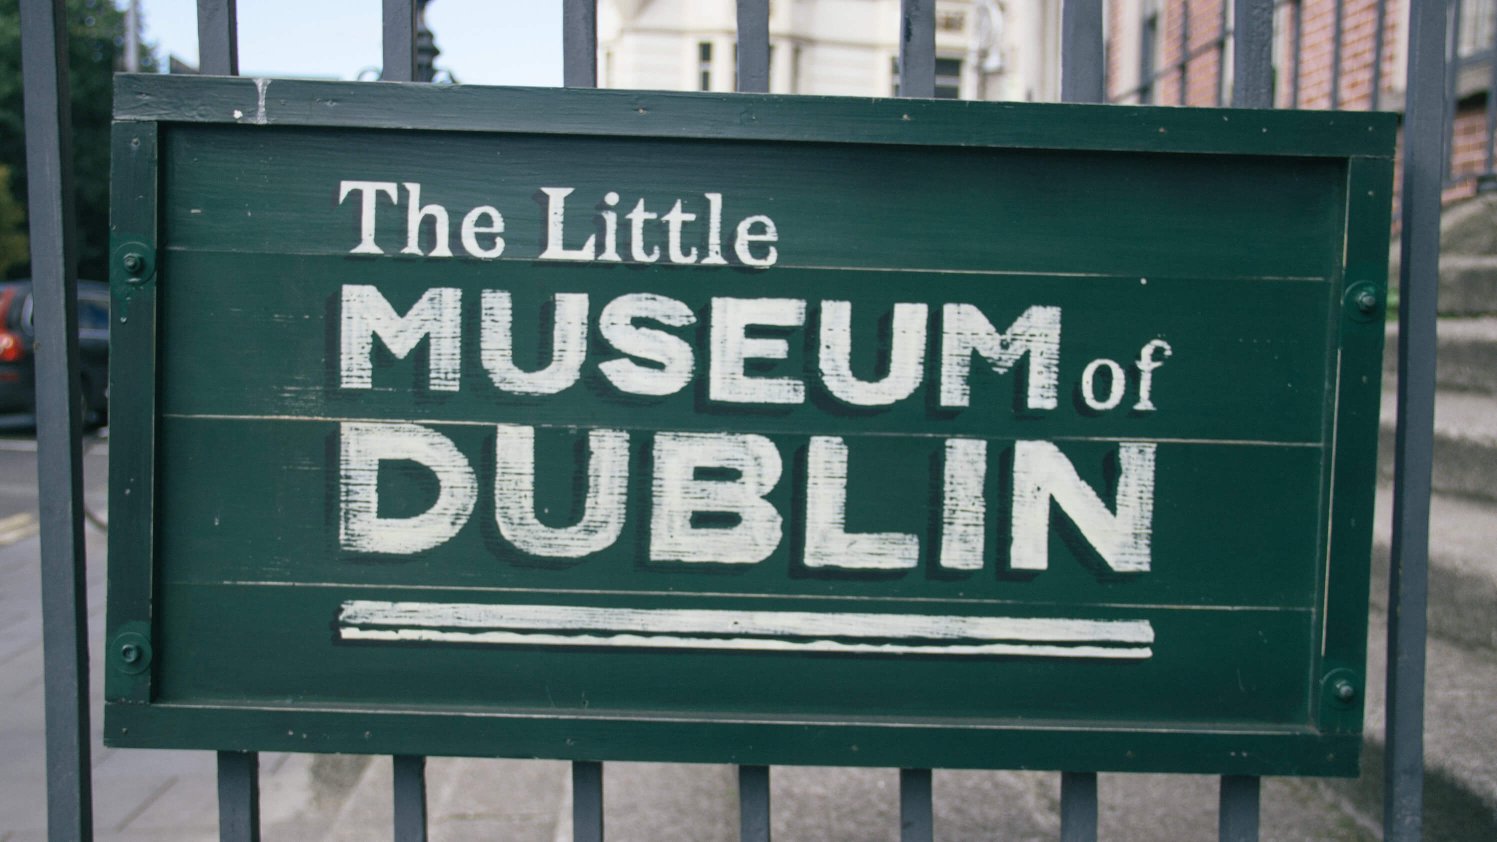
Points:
(1345, 691)
(1365, 302)
(138, 261)
(133, 653)
(1341, 688)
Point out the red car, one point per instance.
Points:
(18, 363)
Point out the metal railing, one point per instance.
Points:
(1251, 31)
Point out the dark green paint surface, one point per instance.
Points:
(1207, 229)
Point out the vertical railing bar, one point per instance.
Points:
(218, 38)
(1252, 54)
(1184, 49)
(1379, 44)
(1299, 56)
(579, 43)
(587, 801)
(1452, 83)
(916, 818)
(399, 36)
(1078, 807)
(49, 171)
(410, 798)
(753, 803)
(1252, 87)
(1338, 31)
(1081, 51)
(132, 36)
(238, 796)
(1081, 80)
(1419, 284)
(917, 48)
(238, 772)
(1221, 56)
(753, 46)
(1237, 817)
(1485, 183)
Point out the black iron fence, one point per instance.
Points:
(1430, 102)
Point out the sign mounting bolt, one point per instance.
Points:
(136, 259)
(132, 653)
(1363, 301)
(1345, 691)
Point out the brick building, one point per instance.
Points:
(1327, 54)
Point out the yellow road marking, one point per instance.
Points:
(18, 527)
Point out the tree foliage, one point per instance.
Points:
(96, 37)
(12, 226)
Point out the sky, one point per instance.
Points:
(488, 42)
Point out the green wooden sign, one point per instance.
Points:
(623, 425)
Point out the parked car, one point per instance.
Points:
(18, 336)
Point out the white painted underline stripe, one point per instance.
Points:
(755, 644)
(506, 619)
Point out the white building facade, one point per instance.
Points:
(985, 49)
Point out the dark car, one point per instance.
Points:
(18, 363)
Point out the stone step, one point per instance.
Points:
(1462, 571)
(1470, 227)
(1468, 258)
(1468, 285)
(1467, 359)
(1460, 737)
(1465, 460)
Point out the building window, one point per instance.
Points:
(948, 78)
(1476, 27)
(704, 65)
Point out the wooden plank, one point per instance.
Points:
(773, 117)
